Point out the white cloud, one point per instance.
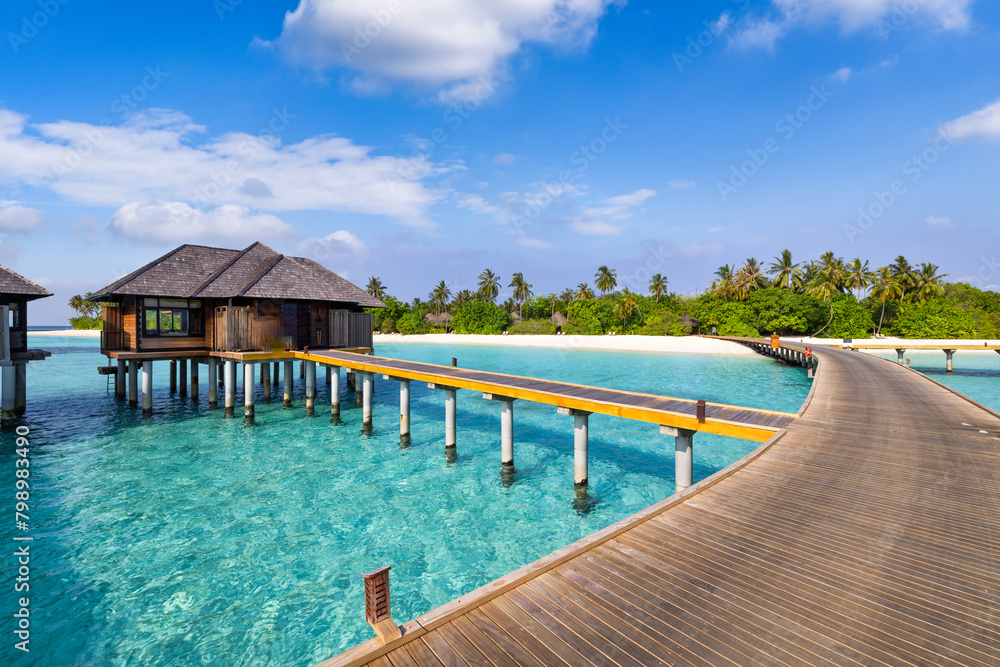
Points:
(681, 184)
(340, 246)
(443, 44)
(504, 159)
(153, 156)
(168, 223)
(531, 242)
(601, 220)
(842, 74)
(851, 15)
(938, 222)
(984, 123)
(722, 24)
(15, 218)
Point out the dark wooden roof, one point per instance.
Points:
(193, 271)
(14, 283)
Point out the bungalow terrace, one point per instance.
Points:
(201, 303)
(15, 293)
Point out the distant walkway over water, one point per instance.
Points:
(865, 532)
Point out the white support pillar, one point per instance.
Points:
(121, 386)
(133, 383)
(265, 374)
(287, 372)
(310, 372)
(450, 417)
(404, 408)
(230, 386)
(948, 363)
(683, 455)
(20, 388)
(367, 388)
(7, 391)
(249, 389)
(147, 387)
(213, 382)
(195, 363)
(899, 355)
(506, 428)
(334, 372)
(581, 437)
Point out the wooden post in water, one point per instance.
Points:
(377, 611)
(120, 383)
(329, 376)
(213, 382)
(683, 455)
(195, 363)
(133, 383)
(7, 392)
(287, 373)
(230, 386)
(20, 388)
(358, 390)
(277, 376)
(367, 388)
(334, 372)
(249, 389)
(265, 381)
(310, 369)
(147, 387)
(183, 380)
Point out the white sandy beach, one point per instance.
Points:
(674, 344)
(68, 333)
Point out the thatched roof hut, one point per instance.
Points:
(440, 320)
(559, 319)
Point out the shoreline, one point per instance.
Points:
(73, 333)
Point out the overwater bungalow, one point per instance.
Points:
(15, 293)
(199, 299)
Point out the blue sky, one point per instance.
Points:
(428, 140)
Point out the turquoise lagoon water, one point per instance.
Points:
(187, 538)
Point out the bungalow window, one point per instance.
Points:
(172, 317)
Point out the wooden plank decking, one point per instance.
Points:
(867, 533)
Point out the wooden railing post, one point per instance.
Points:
(377, 611)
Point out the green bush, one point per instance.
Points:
(850, 318)
(593, 316)
(412, 323)
(534, 327)
(937, 318)
(481, 317)
(84, 322)
(663, 324)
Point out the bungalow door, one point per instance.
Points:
(303, 328)
(289, 324)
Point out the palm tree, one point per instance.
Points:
(605, 279)
(829, 279)
(567, 296)
(77, 303)
(489, 285)
(583, 292)
(886, 287)
(927, 282)
(902, 271)
(625, 306)
(464, 297)
(786, 273)
(376, 288)
(522, 291)
(439, 296)
(858, 277)
(726, 284)
(658, 286)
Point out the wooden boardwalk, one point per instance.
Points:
(867, 533)
(730, 420)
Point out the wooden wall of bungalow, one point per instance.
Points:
(233, 324)
(18, 322)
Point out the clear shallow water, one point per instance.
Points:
(188, 538)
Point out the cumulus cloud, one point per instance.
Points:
(342, 245)
(984, 123)
(15, 218)
(169, 223)
(153, 156)
(851, 15)
(442, 45)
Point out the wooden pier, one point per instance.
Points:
(864, 532)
